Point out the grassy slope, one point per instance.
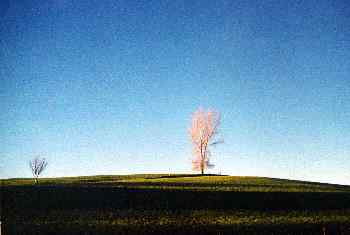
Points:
(141, 202)
(189, 182)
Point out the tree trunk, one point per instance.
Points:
(202, 160)
(202, 166)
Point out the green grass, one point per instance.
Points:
(130, 217)
(188, 182)
(178, 204)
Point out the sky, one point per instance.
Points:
(108, 87)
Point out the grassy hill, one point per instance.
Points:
(187, 182)
(175, 204)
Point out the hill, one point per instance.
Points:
(187, 182)
(175, 204)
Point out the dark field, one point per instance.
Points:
(175, 204)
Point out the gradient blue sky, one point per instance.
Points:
(108, 87)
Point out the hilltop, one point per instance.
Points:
(186, 182)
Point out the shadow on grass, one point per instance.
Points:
(20, 198)
(188, 230)
(186, 175)
(18, 203)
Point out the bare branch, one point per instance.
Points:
(221, 141)
(37, 165)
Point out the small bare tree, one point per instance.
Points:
(37, 165)
(204, 128)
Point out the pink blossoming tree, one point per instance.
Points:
(203, 130)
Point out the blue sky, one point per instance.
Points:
(108, 87)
